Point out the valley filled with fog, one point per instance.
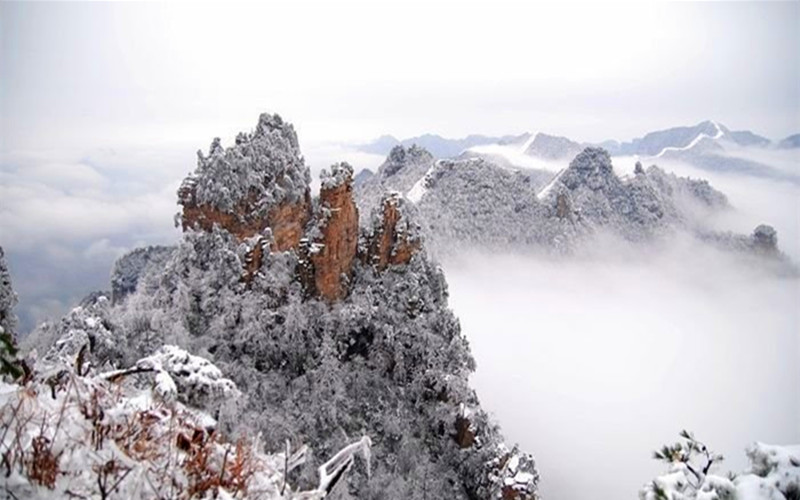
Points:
(595, 361)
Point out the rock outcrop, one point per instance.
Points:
(258, 191)
(394, 241)
(765, 239)
(338, 244)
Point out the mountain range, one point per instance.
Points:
(651, 144)
(472, 202)
(705, 145)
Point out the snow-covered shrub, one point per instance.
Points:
(774, 474)
(198, 382)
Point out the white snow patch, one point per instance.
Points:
(419, 189)
(694, 142)
(528, 142)
(549, 187)
(515, 155)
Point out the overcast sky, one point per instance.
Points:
(102, 106)
(89, 74)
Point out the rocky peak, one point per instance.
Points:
(592, 168)
(592, 160)
(258, 191)
(395, 238)
(401, 156)
(260, 182)
(338, 243)
(765, 239)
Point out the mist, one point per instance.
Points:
(594, 361)
(753, 200)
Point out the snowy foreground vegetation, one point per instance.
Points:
(71, 432)
(774, 474)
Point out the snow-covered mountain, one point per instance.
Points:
(330, 330)
(473, 202)
(707, 145)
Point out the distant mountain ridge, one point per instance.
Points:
(706, 145)
(552, 146)
(791, 142)
(472, 202)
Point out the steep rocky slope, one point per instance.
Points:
(333, 324)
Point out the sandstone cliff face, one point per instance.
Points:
(333, 263)
(286, 220)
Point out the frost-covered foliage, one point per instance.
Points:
(264, 166)
(8, 299)
(635, 208)
(196, 379)
(685, 189)
(337, 175)
(128, 268)
(9, 364)
(472, 203)
(774, 474)
(69, 432)
(82, 329)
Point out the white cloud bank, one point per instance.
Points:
(591, 364)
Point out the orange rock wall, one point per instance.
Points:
(333, 264)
